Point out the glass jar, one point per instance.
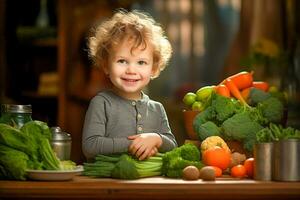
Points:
(15, 115)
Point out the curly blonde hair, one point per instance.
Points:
(135, 25)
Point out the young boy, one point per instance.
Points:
(131, 49)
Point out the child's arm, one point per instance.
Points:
(144, 145)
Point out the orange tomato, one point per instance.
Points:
(249, 166)
(238, 171)
(217, 157)
(218, 171)
(222, 90)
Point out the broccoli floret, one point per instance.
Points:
(208, 129)
(271, 109)
(256, 96)
(204, 116)
(125, 168)
(207, 115)
(224, 107)
(189, 152)
(242, 128)
(176, 160)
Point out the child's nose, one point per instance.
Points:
(130, 69)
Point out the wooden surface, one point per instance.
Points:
(149, 188)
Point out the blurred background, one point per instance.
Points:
(44, 62)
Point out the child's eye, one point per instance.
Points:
(122, 61)
(141, 62)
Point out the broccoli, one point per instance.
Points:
(272, 109)
(224, 107)
(271, 105)
(208, 129)
(221, 108)
(207, 115)
(242, 128)
(123, 166)
(176, 160)
(257, 95)
(204, 116)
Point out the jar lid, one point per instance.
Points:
(11, 108)
(59, 135)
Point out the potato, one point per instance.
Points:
(237, 158)
(207, 173)
(190, 173)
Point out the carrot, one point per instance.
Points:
(264, 86)
(242, 80)
(222, 90)
(235, 91)
(245, 93)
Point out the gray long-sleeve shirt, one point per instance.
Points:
(111, 118)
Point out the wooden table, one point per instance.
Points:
(82, 187)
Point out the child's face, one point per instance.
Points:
(130, 71)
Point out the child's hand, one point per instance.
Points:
(144, 145)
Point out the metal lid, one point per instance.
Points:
(59, 135)
(11, 108)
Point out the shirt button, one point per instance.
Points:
(139, 116)
(133, 103)
(140, 128)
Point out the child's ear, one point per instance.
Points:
(105, 70)
(155, 72)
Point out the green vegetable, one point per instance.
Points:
(26, 148)
(271, 105)
(208, 122)
(67, 165)
(208, 129)
(40, 133)
(48, 157)
(176, 160)
(123, 166)
(277, 132)
(272, 109)
(13, 163)
(256, 96)
(224, 107)
(36, 129)
(241, 127)
(14, 138)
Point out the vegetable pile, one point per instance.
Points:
(241, 109)
(27, 148)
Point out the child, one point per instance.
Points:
(131, 49)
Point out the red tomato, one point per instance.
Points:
(218, 171)
(238, 171)
(249, 166)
